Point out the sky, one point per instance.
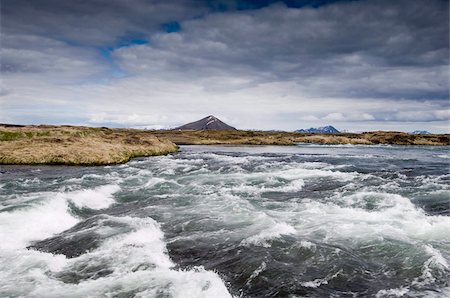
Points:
(268, 65)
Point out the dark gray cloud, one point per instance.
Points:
(310, 60)
(94, 22)
(357, 43)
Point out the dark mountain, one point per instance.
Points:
(207, 123)
(421, 132)
(324, 129)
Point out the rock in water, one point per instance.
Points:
(207, 123)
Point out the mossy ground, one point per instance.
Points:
(69, 145)
(74, 145)
(290, 138)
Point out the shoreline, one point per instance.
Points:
(241, 137)
(77, 145)
(92, 146)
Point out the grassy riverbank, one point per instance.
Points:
(76, 145)
(186, 137)
(69, 145)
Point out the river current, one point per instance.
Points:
(231, 221)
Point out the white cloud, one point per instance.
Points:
(273, 68)
(127, 119)
(351, 116)
(436, 115)
(334, 117)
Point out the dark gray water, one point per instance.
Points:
(216, 221)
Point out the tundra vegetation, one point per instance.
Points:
(71, 145)
(234, 137)
(78, 145)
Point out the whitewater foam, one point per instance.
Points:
(390, 216)
(49, 213)
(263, 238)
(290, 210)
(154, 181)
(398, 292)
(38, 221)
(135, 262)
(257, 272)
(97, 198)
(320, 281)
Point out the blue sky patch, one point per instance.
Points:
(171, 27)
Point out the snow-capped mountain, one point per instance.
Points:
(324, 129)
(421, 132)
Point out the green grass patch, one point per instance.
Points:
(10, 135)
(42, 134)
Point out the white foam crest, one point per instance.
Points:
(393, 216)
(30, 265)
(294, 185)
(296, 173)
(47, 214)
(389, 186)
(435, 262)
(113, 176)
(169, 165)
(97, 198)
(291, 186)
(168, 172)
(377, 201)
(176, 161)
(231, 159)
(139, 260)
(293, 176)
(274, 232)
(178, 284)
(28, 182)
(320, 281)
(19, 199)
(398, 292)
(433, 181)
(41, 220)
(315, 165)
(308, 245)
(194, 169)
(127, 251)
(154, 181)
(436, 257)
(137, 173)
(256, 272)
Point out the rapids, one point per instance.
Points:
(231, 221)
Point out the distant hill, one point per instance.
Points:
(207, 123)
(324, 129)
(421, 132)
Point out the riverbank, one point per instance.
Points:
(88, 146)
(74, 145)
(240, 137)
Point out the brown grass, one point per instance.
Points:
(72, 145)
(290, 138)
(68, 145)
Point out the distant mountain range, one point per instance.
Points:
(421, 132)
(213, 123)
(324, 129)
(207, 123)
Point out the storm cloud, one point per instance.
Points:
(359, 65)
